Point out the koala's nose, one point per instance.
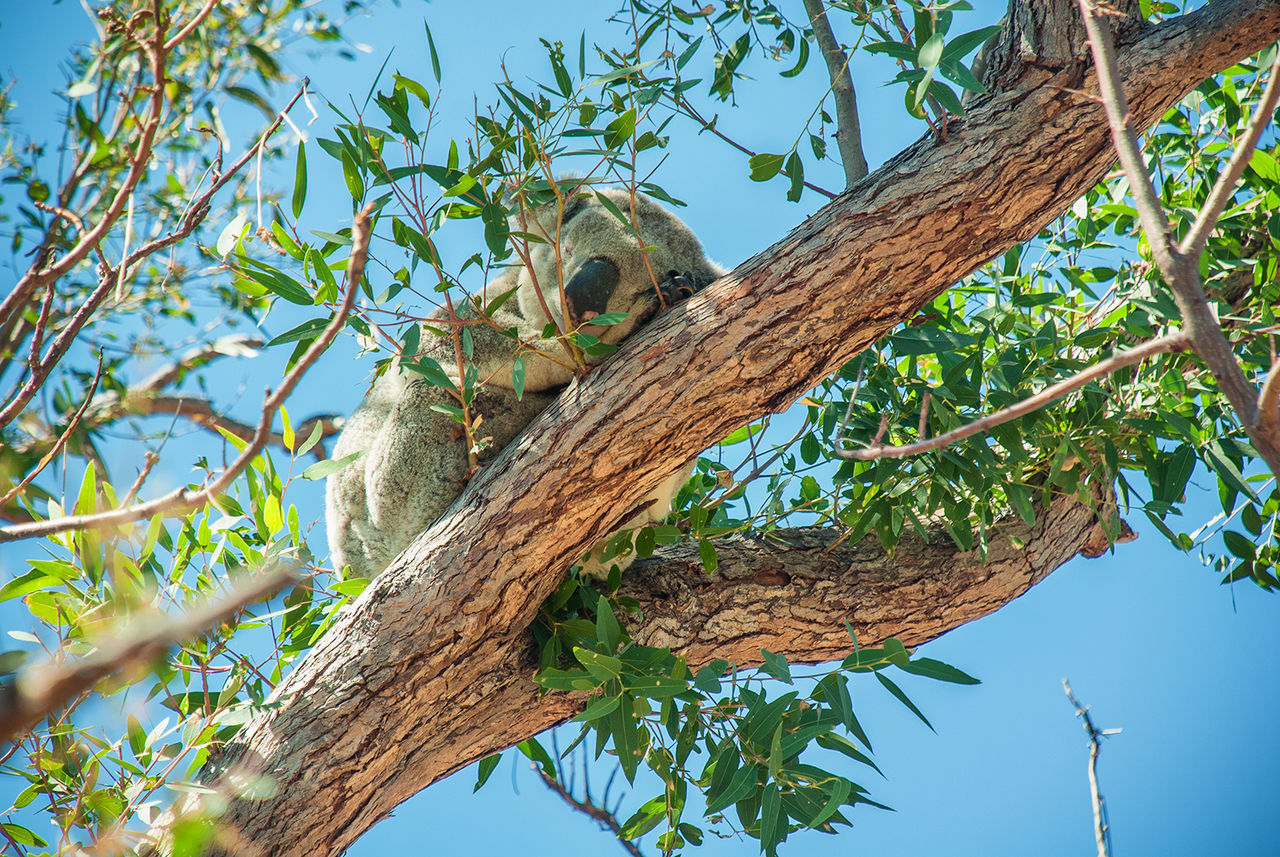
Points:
(590, 288)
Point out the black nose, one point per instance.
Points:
(589, 289)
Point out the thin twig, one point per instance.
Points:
(1194, 243)
(848, 128)
(39, 691)
(184, 499)
(60, 442)
(1101, 825)
(1172, 342)
(602, 815)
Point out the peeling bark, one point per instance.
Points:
(430, 669)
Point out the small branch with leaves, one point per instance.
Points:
(1179, 262)
(39, 691)
(184, 499)
(1163, 345)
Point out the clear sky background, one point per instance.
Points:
(1189, 669)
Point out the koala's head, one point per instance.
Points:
(603, 264)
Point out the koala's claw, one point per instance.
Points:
(677, 286)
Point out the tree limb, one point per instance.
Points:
(848, 129)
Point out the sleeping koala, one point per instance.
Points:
(416, 459)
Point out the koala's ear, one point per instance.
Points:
(590, 289)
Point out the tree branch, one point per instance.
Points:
(183, 499)
(1101, 829)
(1050, 394)
(848, 128)
(107, 277)
(39, 691)
(1181, 270)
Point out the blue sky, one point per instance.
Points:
(1189, 669)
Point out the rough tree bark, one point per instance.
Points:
(431, 669)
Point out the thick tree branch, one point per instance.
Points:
(848, 128)
(430, 668)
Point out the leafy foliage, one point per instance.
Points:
(753, 750)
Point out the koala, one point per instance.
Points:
(416, 459)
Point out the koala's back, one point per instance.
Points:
(415, 462)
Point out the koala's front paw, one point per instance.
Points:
(677, 286)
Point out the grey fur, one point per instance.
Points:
(415, 464)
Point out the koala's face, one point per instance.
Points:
(603, 263)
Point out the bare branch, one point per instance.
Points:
(37, 692)
(191, 25)
(1123, 135)
(1172, 342)
(1101, 828)
(183, 499)
(606, 818)
(848, 128)
(1194, 243)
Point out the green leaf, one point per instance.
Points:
(930, 668)
(929, 340)
(773, 827)
(1239, 545)
(431, 48)
(602, 667)
(776, 666)
(740, 785)
(429, 369)
(801, 60)
(707, 552)
(534, 751)
(795, 169)
(599, 707)
(305, 332)
(765, 167)
(300, 181)
(930, 52)
(485, 770)
(902, 697)
(645, 818)
(618, 132)
(24, 584)
(329, 466)
(608, 631)
(962, 45)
